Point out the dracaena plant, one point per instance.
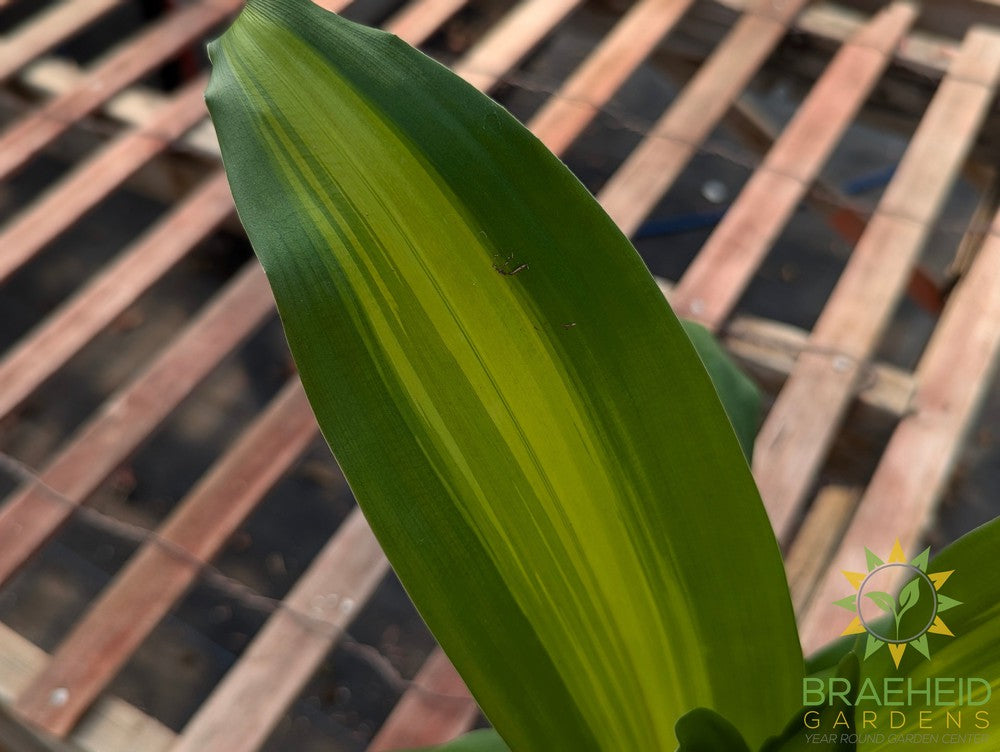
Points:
(527, 427)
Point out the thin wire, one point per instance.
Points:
(228, 586)
(615, 114)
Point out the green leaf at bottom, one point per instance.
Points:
(484, 740)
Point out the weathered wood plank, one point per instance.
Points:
(574, 106)
(47, 29)
(126, 63)
(798, 431)
(810, 552)
(710, 288)
(111, 726)
(164, 568)
(952, 378)
(651, 169)
(41, 352)
(769, 349)
(419, 20)
(248, 703)
(511, 39)
(95, 178)
(35, 513)
(437, 708)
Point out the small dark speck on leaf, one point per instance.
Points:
(507, 268)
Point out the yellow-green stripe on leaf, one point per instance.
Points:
(522, 419)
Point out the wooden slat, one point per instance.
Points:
(123, 65)
(710, 288)
(56, 210)
(816, 542)
(111, 726)
(334, 6)
(97, 648)
(801, 426)
(132, 106)
(832, 23)
(161, 572)
(770, 349)
(248, 703)
(47, 29)
(419, 20)
(513, 37)
(65, 331)
(593, 84)
(437, 708)
(35, 513)
(651, 169)
(952, 378)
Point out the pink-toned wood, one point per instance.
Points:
(127, 62)
(803, 422)
(511, 39)
(782, 11)
(418, 20)
(243, 710)
(36, 512)
(604, 71)
(816, 542)
(651, 169)
(56, 210)
(125, 614)
(436, 709)
(47, 29)
(164, 568)
(710, 288)
(952, 377)
(334, 6)
(49, 345)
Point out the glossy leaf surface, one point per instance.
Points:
(524, 422)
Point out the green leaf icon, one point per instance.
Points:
(909, 595)
(883, 600)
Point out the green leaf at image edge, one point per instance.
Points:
(523, 421)
(973, 652)
(484, 740)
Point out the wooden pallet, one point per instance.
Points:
(59, 701)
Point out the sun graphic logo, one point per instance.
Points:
(902, 621)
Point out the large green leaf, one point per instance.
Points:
(484, 740)
(522, 419)
(973, 652)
